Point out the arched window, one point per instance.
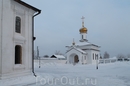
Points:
(18, 54)
(18, 24)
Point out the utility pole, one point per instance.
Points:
(38, 56)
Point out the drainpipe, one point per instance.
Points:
(33, 41)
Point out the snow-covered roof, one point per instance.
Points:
(78, 49)
(83, 44)
(59, 56)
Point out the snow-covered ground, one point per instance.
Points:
(57, 74)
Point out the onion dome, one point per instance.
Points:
(83, 29)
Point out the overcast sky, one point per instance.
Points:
(107, 21)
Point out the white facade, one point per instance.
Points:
(83, 37)
(83, 52)
(87, 54)
(12, 43)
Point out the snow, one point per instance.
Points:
(80, 44)
(59, 74)
(85, 43)
(114, 57)
(59, 56)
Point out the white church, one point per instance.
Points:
(83, 52)
(16, 38)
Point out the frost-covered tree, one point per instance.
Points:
(120, 56)
(128, 56)
(101, 56)
(106, 55)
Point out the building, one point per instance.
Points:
(16, 38)
(59, 57)
(83, 52)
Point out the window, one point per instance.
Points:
(93, 56)
(84, 57)
(96, 56)
(18, 54)
(82, 36)
(18, 24)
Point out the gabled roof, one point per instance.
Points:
(78, 49)
(84, 44)
(27, 5)
(58, 56)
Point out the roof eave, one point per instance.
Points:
(28, 6)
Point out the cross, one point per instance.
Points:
(83, 21)
(83, 18)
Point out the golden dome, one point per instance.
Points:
(83, 30)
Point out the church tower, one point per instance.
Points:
(83, 32)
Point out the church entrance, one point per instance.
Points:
(73, 58)
(76, 59)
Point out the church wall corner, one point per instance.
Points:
(8, 41)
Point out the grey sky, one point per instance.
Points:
(108, 23)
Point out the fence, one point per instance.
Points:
(104, 61)
(44, 61)
(107, 61)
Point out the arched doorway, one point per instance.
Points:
(73, 58)
(76, 59)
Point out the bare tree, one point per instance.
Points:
(58, 53)
(128, 56)
(106, 55)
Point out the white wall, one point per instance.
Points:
(71, 54)
(10, 38)
(0, 35)
(84, 36)
(7, 30)
(95, 52)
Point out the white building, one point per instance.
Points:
(16, 38)
(83, 52)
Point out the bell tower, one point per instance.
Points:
(83, 32)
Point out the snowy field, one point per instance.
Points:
(57, 74)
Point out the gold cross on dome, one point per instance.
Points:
(83, 21)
